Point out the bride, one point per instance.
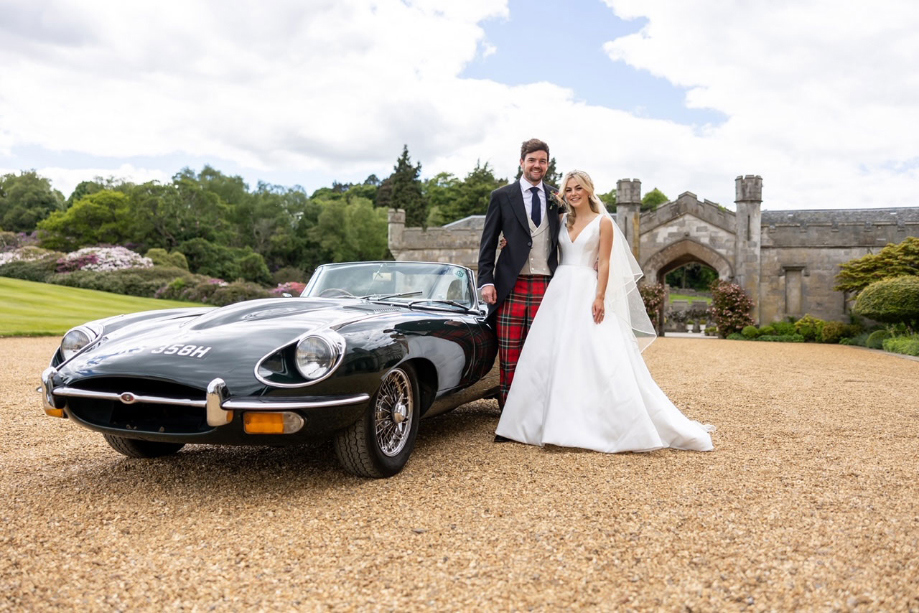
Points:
(581, 380)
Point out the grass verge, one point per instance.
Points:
(41, 309)
(689, 299)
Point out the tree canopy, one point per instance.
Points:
(403, 190)
(223, 227)
(653, 199)
(26, 199)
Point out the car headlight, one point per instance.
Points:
(317, 356)
(76, 339)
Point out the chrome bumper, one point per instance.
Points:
(219, 407)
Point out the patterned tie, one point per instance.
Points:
(536, 212)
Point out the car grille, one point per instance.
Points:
(140, 416)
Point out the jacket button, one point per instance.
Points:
(530, 244)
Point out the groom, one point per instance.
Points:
(526, 212)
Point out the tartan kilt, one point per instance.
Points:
(514, 318)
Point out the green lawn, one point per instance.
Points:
(42, 309)
(674, 296)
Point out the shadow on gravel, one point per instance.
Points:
(230, 472)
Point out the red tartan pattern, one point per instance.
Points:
(515, 316)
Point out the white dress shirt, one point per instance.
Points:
(525, 187)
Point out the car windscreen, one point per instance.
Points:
(397, 281)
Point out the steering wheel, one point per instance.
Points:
(335, 292)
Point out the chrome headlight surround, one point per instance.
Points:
(314, 357)
(77, 339)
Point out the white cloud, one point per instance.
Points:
(820, 97)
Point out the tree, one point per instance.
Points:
(894, 260)
(609, 199)
(25, 200)
(100, 218)
(441, 191)
(352, 231)
(653, 199)
(470, 197)
(693, 275)
(202, 212)
(403, 190)
(85, 188)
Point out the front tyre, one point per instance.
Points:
(378, 444)
(134, 448)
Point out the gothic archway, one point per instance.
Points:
(683, 252)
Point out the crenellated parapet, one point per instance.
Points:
(748, 188)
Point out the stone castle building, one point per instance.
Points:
(786, 261)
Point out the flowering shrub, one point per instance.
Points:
(102, 259)
(24, 254)
(291, 287)
(730, 308)
(653, 297)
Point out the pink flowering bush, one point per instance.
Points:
(291, 287)
(730, 308)
(102, 259)
(653, 297)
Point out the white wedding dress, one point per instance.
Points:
(583, 384)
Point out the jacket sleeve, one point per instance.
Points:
(489, 244)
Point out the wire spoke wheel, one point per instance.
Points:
(394, 412)
(379, 443)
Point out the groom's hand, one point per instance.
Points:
(489, 295)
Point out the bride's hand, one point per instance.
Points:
(598, 310)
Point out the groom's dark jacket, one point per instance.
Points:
(507, 213)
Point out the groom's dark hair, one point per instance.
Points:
(534, 144)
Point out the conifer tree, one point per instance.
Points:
(403, 190)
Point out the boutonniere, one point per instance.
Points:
(553, 204)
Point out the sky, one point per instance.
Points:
(819, 97)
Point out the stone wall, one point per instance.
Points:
(457, 243)
(803, 250)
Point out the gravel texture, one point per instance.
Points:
(809, 501)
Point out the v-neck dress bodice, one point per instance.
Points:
(583, 250)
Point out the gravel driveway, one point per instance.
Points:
(810, 500)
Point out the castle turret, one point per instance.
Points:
(749, 200)
(628, 211)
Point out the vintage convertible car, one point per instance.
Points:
(366, 351)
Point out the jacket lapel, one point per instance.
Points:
(519, 208)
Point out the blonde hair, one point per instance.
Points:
(582, 179)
